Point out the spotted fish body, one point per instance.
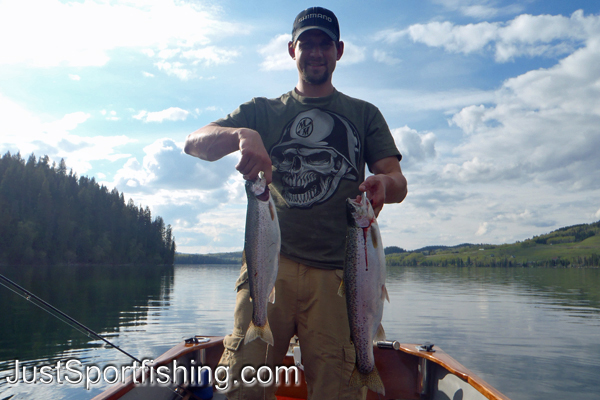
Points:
(261, 255)
(365, 291)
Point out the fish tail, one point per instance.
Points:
(262, 332)
(372, 380)
(342, 289)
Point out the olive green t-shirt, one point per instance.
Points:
(319, 147)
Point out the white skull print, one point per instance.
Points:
(317, 149)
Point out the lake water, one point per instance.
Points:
(532, 333)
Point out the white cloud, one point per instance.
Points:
(68, 123)
(544, 127)
(276, 56)
(473, 170)
(211, 55)
(353, 54)
(440, 100)
(25, 132)
(415, 147)
(165, 166)
(74, 77)
(461, 39)
(176, 68)
(480, 8)
(110, 116)
(526, 35)
(384, 57)
(204, 201)
(170, 114)
(175, 62)
(482, 230)
(525, 215)
(102, 27)
(470, 118)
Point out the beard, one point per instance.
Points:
(315, 79)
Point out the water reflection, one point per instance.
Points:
(105, 299)
(518, 328)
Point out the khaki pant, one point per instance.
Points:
(306, 304)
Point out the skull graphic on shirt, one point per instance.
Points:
(317, 150)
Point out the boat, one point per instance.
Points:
(408, 371)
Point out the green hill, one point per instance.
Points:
(572, 246)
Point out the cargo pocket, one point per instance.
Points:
(341, 290)
(349, 363)
(231, 344)
(339, 273)
(242, 313)
(243, 278)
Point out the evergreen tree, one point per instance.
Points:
(49, 216)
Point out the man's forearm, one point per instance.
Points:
(212, 142)
(395, 187)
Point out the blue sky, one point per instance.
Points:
(494, 104)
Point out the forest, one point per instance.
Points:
(48, 215)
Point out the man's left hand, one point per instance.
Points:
(388, 185)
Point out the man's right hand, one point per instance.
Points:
(254, 156)
(212, 142)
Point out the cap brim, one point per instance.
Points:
(300, 31)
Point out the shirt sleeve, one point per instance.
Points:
(242, 117)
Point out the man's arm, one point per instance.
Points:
(213, 142)
(388, 185)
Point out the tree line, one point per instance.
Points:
(51, 216)
(225, 258)
(593, 260)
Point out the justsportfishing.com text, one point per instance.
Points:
(73, 372)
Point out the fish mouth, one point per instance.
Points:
(264, 196)
(359, 213)
(258, 187)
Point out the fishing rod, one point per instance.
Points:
(49, 308)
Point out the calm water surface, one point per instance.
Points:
(531, 333)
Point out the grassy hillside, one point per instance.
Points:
(574, 246)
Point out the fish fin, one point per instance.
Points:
(342, 289)
(384, 294)
(262, 332)
(272, 296)
(371, 380)
(380, 335)
(272, 211)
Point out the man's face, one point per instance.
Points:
(316, 56)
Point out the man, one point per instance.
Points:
(312, 144)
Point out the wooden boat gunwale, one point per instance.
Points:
(212, 349)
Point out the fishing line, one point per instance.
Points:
(59, 317)
(55, 312)
(50, 309)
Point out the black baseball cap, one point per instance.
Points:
(316, 18)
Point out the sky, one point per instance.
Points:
(495, 105)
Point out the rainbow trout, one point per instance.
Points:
(364, 288)
(261, 255)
